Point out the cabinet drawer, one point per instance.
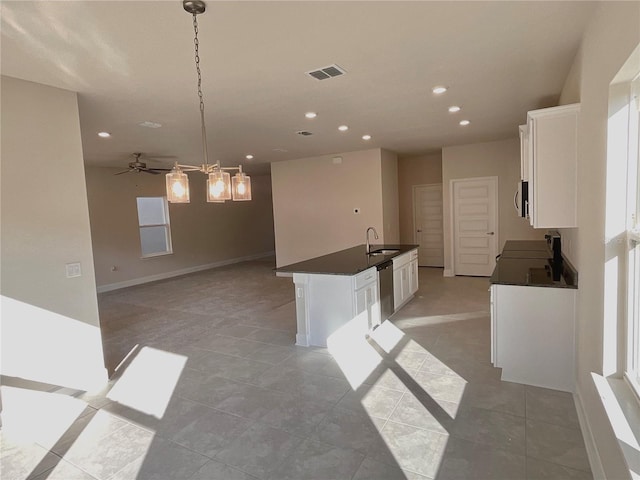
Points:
(364, 278)
(401, 260)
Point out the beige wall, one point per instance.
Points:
(390, 212)
(314, 199)
(501, 159)
(50, 325)
(608, 41)
(203, 234)
(422, 170)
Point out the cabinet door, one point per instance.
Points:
(397, 288)
(406, 287)
(524, 153)
(413, 277)
(494, 323)
(553, 156)
(361, 300)
(373, 305)
(367, 307)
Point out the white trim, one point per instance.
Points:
(589, 441)
(448, 272)
(184, 271)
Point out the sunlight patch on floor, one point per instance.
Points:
(149, 381)
(350, 349)
(416, 321)
(30, 416)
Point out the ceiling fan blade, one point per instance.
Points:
(153, 157)
(124, 171)
(158, 170)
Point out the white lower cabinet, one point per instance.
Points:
(366, 302)
(413, 273)
(335, 308)
(405, 278)
(532, 335)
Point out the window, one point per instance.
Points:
(153, 220)
(633, 236)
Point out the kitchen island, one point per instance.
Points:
(338, 295)
(533, 315)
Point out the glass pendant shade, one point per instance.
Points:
(218, 186)
(241, 187)
(177, 186)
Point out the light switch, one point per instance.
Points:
(73, 269)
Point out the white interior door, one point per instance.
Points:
(475, 225)
(427, 207)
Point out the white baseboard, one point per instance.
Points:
(448, 273)
(589, 442)
(183, 271)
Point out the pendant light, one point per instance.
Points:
(241, 186)
(177, 186)
(219, 185)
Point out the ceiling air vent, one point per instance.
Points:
(326, 72)
(304, 133)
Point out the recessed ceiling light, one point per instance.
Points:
(343, 128)
(249, 157)
(464, 123)
(104, 134)
(311, 114)
(454, 109)
(439, 89)
(366, 137)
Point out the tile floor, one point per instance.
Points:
(211, 387)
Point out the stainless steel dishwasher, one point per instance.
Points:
(385, 281)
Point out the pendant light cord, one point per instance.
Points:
(197, 59)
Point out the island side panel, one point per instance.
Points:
(325, 304)
(331, 306)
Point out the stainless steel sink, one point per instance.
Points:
(384, 252)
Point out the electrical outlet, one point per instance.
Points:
(73, 269)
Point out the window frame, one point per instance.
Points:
(632, 367)
(166, 225)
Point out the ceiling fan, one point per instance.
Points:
(138, 166)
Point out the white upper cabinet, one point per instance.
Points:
(524, 153)
(552, 162)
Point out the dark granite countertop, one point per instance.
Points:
(540, 254)
(529, 263)
(346, 262)
(526, 245)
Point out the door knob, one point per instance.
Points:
(490, 233)
(418, 230)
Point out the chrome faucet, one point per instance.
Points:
(375, 235)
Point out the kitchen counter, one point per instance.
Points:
(529, 263)
(342, 296)
(526, 246)
(346, 262)
(533, 316)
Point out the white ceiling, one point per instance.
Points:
(133, 61)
